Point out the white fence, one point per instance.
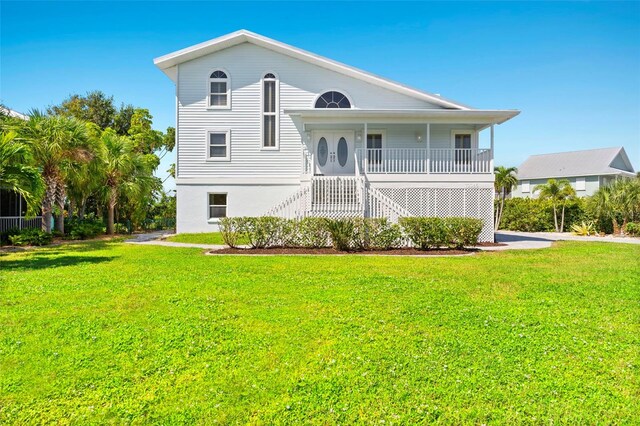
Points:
(19, 222)
(433, 161)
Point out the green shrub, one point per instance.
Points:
(584, 229)
(425, 232)
(633, 228)
(341, 232)
(536, 215)
(310, 232)
(82, 229)
(31, 237)
(4, 235)
(375, 233)
(462, 231)
(233, 230)
(262, 231)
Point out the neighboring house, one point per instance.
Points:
(586, 170)
(267, 128)
(13, 208)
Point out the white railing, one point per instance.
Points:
(379, 205)
(433, 161)
(337, 196)
(294, 206)
(19, 222)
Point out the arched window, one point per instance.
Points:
(219, 89)
(270, 111)
(332, 100)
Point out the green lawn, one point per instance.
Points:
(204, 238)
(108, 332)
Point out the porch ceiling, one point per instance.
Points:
(402, 115)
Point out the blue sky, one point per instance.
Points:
(573, 69)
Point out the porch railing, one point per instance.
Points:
(433, 161)
(19, 222)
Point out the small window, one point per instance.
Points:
(269, 111)
(332, 100)
(217, 205)
(218, 145)
(581, 184)
(218, 89)
(526, 186)
(374, 148)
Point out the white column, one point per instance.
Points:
(428, 138)
(364, 146)
(491, 162)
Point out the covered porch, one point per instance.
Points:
(419, 144)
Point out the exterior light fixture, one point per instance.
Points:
(418, 137)
(359, 136)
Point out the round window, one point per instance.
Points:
(323, 152)
(343, 152)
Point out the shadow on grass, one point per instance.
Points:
(46, 262)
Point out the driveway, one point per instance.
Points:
(539, 237)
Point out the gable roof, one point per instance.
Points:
(12, 113)
(592, 162)
(167, 63)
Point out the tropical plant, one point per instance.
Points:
(618, 202)
(583, 228)
(505, 181)
(17, 172)
(126, 173)
(558, 192)
(55, 143)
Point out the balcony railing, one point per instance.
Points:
(433, 161)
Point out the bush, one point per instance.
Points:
(232, 230)
(536, 215)
(82, 229)
(462, 231)
(31, 237)
(375, 233)
(633, 228)
(425, 232)
(583, 229)
(342, 233)
(310, 232)
(262, 231)
(4, 235)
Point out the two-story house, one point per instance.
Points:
(264, 128)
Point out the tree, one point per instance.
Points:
(17, 173)
(618, 202)
(558, 192)
(127, 174)
(505, 181)
(95, 107)
(55, 141)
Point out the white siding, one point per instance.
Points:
(300, 83)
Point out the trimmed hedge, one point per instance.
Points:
(351, 234)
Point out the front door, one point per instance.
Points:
(334, 153)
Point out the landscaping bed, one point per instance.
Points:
(332, 251)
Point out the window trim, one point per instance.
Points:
(276, 114)
(227, 132)
(322, 92)
(226, 207)
(583, 181)
(472, 132)
(213, 80)
(525, 184)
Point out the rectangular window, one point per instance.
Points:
(374, 148)
(581, 184)
(218, 148)
(269, 111)
(217, 205)
(463, 147)
(526, 186)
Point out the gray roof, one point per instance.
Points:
(592, 162)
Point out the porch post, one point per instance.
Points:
(428, 137)
(364, 145)
(491, 162)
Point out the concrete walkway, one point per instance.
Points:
(514, 236)
(154, 239)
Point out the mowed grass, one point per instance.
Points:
(109, 332)
(203, 238)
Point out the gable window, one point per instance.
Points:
(219, 89)
(270, 111)
(218, 145)
(217, 206)
(581, 184)
(332, 99)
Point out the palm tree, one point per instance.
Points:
(126, 172)
(505, 181)
(16, 172)
(55, 142)
(558, 192)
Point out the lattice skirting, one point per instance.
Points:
(447, 202)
